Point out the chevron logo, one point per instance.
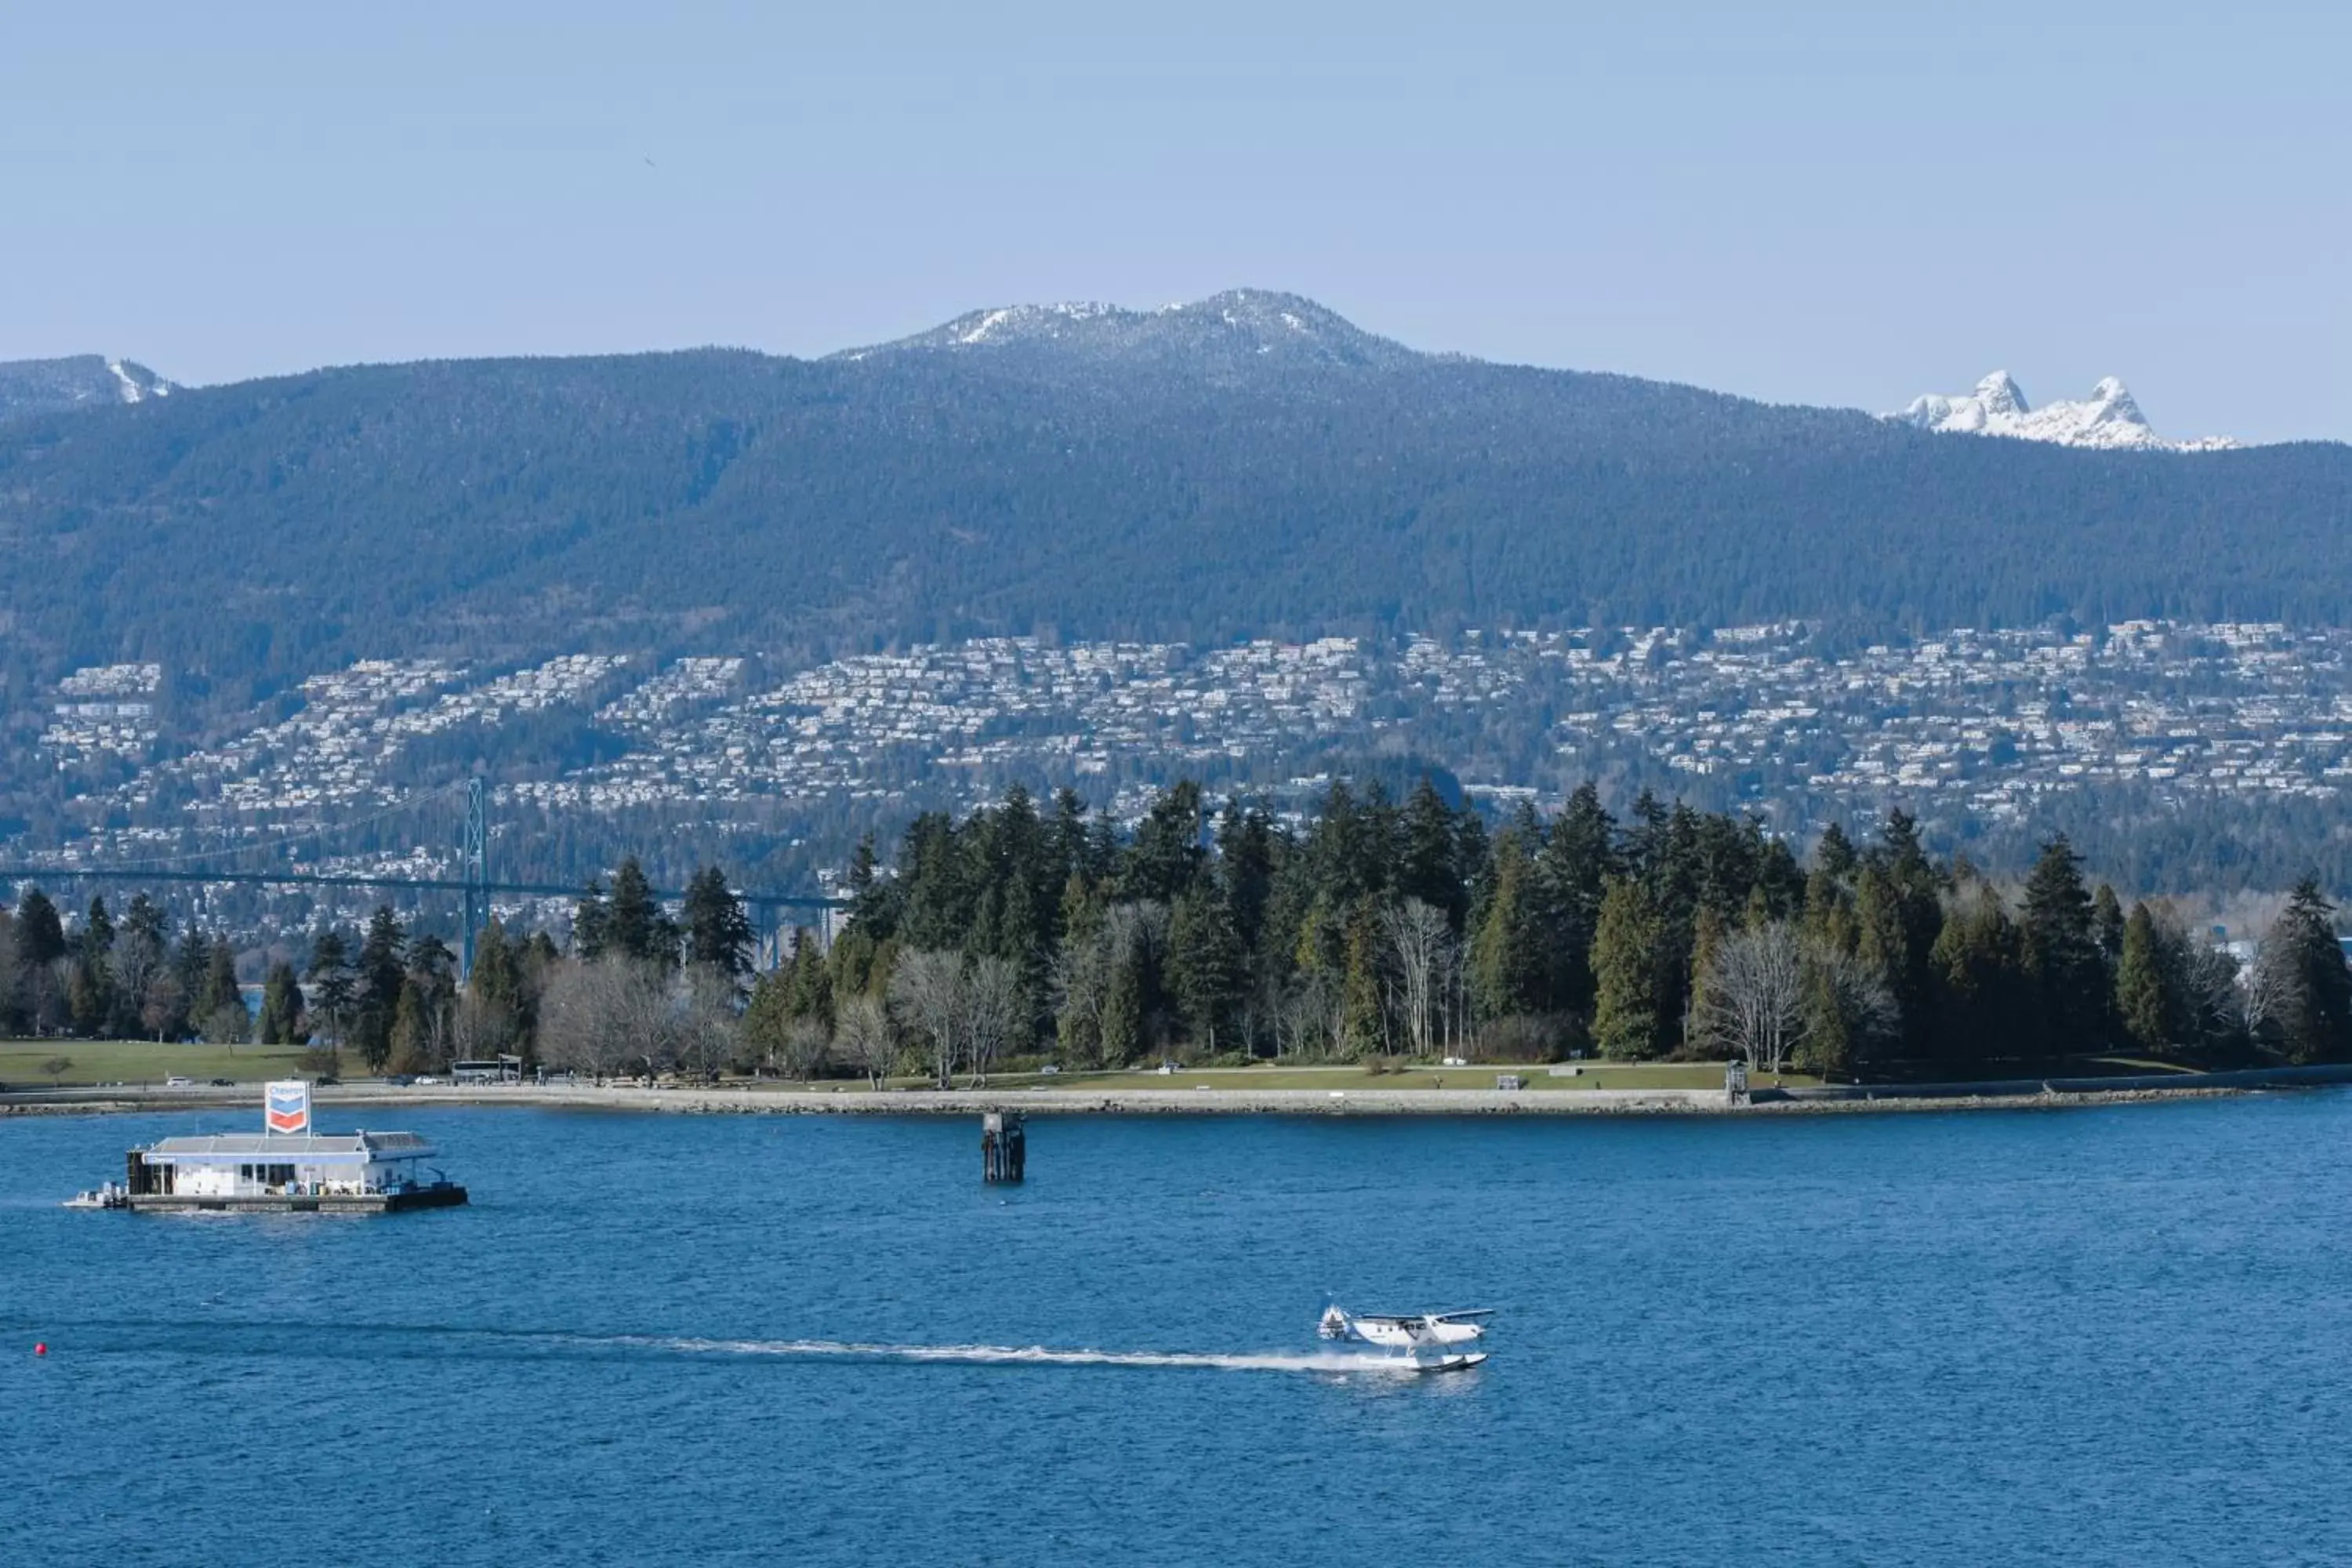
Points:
(287, 1107)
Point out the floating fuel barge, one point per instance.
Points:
(285, 1168)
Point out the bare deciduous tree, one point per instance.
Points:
(1422, 943)
(2263, 987)
(1081, 981)
(1307, 1022)
(707, 1031)
(138, 959)
(1863, 997)
(604, 1015)
(1137, 934)
(805, 1046)
(992, 1013)
(480, 1026)
(862, 1033)
(1754, 1006)
(926, 996)
(162, 1001)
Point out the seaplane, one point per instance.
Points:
(1423, 1341)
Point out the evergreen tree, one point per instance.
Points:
(768, 1015)
(40, 932)
(334, 990)
(1431, 870)
(1572, 874)
(873, 906)
(636, 927)
(1642, 854)
(1827, 1049)
(1829, 921)
(282, 1007)
(858, 964)
(91, 994)
(1627, 950)
(1122, 1021)
(1363, 1022)
(97, 933)
(2062, 952)
(1166, 857)
(2145, 1003)
(1065, 838)
(1916, 919)
(2313, 983)
(495, 987)
(1508, 965)
(1208, 971)
(189, 962)
(1881, 939)
(808, 982)
(1707, 942)
(592, 923)
(383, 975)
(1246, 868)
(221, 1005)
(406, 1038)
(497, 975)
(2107, 921)
(718, 935)
(1835, 855)
(1984, 1004)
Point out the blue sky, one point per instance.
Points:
(1825, 203)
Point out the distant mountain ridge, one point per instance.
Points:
(1249, 465)
(2109, 419)
(81, 380)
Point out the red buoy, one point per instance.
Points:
(42, 1348)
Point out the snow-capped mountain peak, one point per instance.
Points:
(2108, 418)
(1219, 335)
(2000, 394)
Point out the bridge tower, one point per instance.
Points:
(474, 863)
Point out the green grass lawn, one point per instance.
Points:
(142, 1061)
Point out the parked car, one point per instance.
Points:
(223, 1083)
(178, 1081)
(400, 1081)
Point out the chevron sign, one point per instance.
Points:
(288, 1107)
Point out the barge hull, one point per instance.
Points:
(320, 1203)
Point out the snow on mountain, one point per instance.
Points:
(1222, 333)
(134, 381)
(2108, 418)
(83, 381)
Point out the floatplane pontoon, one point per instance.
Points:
(1424, 1342)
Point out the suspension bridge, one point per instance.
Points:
(772, 913)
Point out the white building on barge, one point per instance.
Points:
(288, 1167)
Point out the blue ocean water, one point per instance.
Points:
(2112, 1336)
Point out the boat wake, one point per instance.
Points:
(1019, 1355)
(241, 1338)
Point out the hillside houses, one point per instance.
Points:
(1984, 723)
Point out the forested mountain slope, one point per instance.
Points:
(1202, 474)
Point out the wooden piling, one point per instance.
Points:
(1002, 1146)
